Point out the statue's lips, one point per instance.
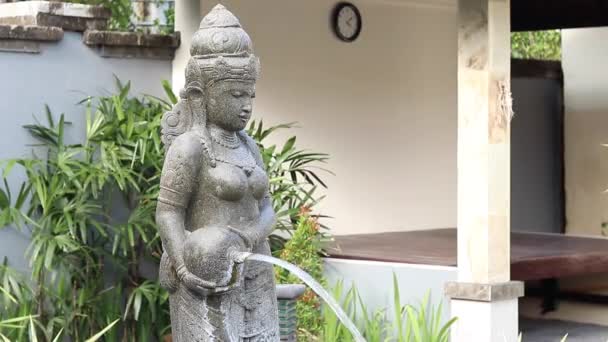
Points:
(245, 117)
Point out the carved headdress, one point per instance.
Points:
(220, 50)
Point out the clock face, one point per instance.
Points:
(347, 22)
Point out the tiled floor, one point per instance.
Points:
(535, 330)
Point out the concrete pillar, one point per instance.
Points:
(483, 299)
(187, 20)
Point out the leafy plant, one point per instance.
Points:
(544, 45)
(303, 250)
(294, 179)
(122, 12)
(77, 242)
(422, 323)
(89, 208)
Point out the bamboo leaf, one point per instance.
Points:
(137, 305)
(56, 339)
(32, 331)
(169, 91)
(4, 200)
(102, 332)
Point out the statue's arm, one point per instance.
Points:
(267, 219)
(264, 225)
(178, 179)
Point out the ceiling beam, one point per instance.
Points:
(531, 15)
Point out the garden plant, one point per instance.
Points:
(89, 209)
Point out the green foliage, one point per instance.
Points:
(303, 250)
(122, 12)
(76, 244)
(420, 323)
(294, 178)
(544, 45)
(89, 208)
(169, 26)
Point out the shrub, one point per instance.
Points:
(544, 45)
(303, 250)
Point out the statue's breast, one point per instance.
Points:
(227, 182)
(230, 183)
(258, 183)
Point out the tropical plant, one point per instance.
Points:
(122, 12)
(123, 15)
(422, 323)
(89, 208)
(73, 191)
(544, 45)
(304, 251)
(294, 179)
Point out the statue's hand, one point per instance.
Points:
(237, 281)
(193, 282)
(249, 239)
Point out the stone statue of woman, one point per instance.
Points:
(214, 200)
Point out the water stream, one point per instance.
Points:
(316, 287)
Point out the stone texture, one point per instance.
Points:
(23, 46)
(69, 16)
(38, 33)
(132, 44)
(483, 141)
(485, 292)
(484, 174)
(135, 52)
(18, 38)
(290, 291)
(214, 205)
(113, 38)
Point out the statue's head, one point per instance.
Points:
(222, 70)
(220, 78)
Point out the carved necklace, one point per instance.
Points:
(248, 169)
(231, 141)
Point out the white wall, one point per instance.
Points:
(585, 53)
(383, 107)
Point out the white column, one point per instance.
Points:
(482, 297)
(187, 21)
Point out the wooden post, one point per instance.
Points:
(187, 21)
(483, 299)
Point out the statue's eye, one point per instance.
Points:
(253, 95)
(237, 93)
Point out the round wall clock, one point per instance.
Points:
(346, 21)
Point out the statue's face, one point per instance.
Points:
(230, 104)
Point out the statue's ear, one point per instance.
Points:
(194, 93)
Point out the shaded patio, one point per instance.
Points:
(534, 256)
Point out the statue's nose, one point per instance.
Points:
(247, 109)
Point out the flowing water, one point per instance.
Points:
(316, 287)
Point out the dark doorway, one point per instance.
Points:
(537, 152)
